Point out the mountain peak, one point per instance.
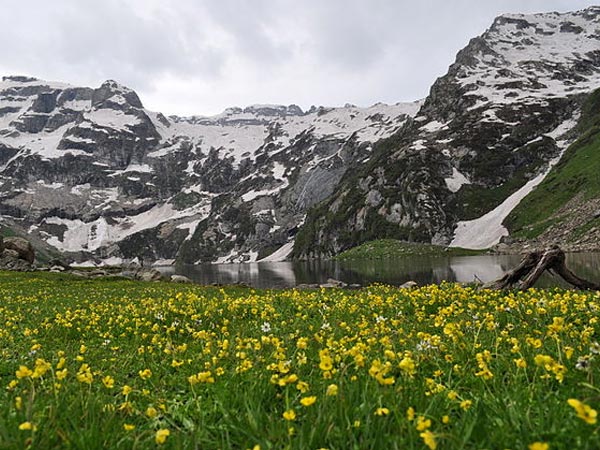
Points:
(114, 93)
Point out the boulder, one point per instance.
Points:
(9, 260)
(332, 282)
(22, 247)
(180, 279)
(148, 275)
(59, 263)
(9, 253)
(408, 285)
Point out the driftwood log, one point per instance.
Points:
(534, 264)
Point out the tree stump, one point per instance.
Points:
(534, 264)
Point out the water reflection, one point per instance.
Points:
(423, 270)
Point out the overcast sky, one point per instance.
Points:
(200, 56)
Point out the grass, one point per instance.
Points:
(577, 174)
(392, 248)
(117, 364)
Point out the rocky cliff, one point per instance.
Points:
(485, 137)
(94, 174)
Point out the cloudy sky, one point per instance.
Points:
(200, 56)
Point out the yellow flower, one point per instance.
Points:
(41, 367)
(108, 381)
(23, 372)
(145, 374)
(429, 439)
(61, 374)
(201, 377)
(538, 446)
(289, 414)
(452, 395)
(422, 423)
(161, 435)
(302, 343)
(445, 419)
(407, 365)
(302, 386)
(25, 426)
(584, 412)
(325, 361)
(520, 363)
(332, 390)
(410, 414)
(466, 404)
(84, 375)
(127, 390)
(151, 412)
(128, 427)
(382, 411)
(307, 401)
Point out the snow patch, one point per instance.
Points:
(456, 181)
(112, 118)
(280, 254)
(92, 235)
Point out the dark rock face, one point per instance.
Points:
(22, 247)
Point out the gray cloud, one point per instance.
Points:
(199, 56)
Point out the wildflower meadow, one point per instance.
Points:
(119, 364)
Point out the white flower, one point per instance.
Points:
(583, 363)
(424, 345)
(265, 327)
(325, 326)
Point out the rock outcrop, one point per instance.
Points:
(489, 129)
(21, 247)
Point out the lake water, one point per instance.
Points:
(423, 270)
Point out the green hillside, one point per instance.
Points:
(392, 248)
(577, 174)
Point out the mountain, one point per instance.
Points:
(92, 173)
(487, 134)
(565, 207)
(95, 175)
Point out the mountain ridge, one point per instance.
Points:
(96, 175)
(487, 128)
(89, 169)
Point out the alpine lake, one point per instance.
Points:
(421, 269)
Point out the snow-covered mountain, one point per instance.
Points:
(91, 171)
(486, 135)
